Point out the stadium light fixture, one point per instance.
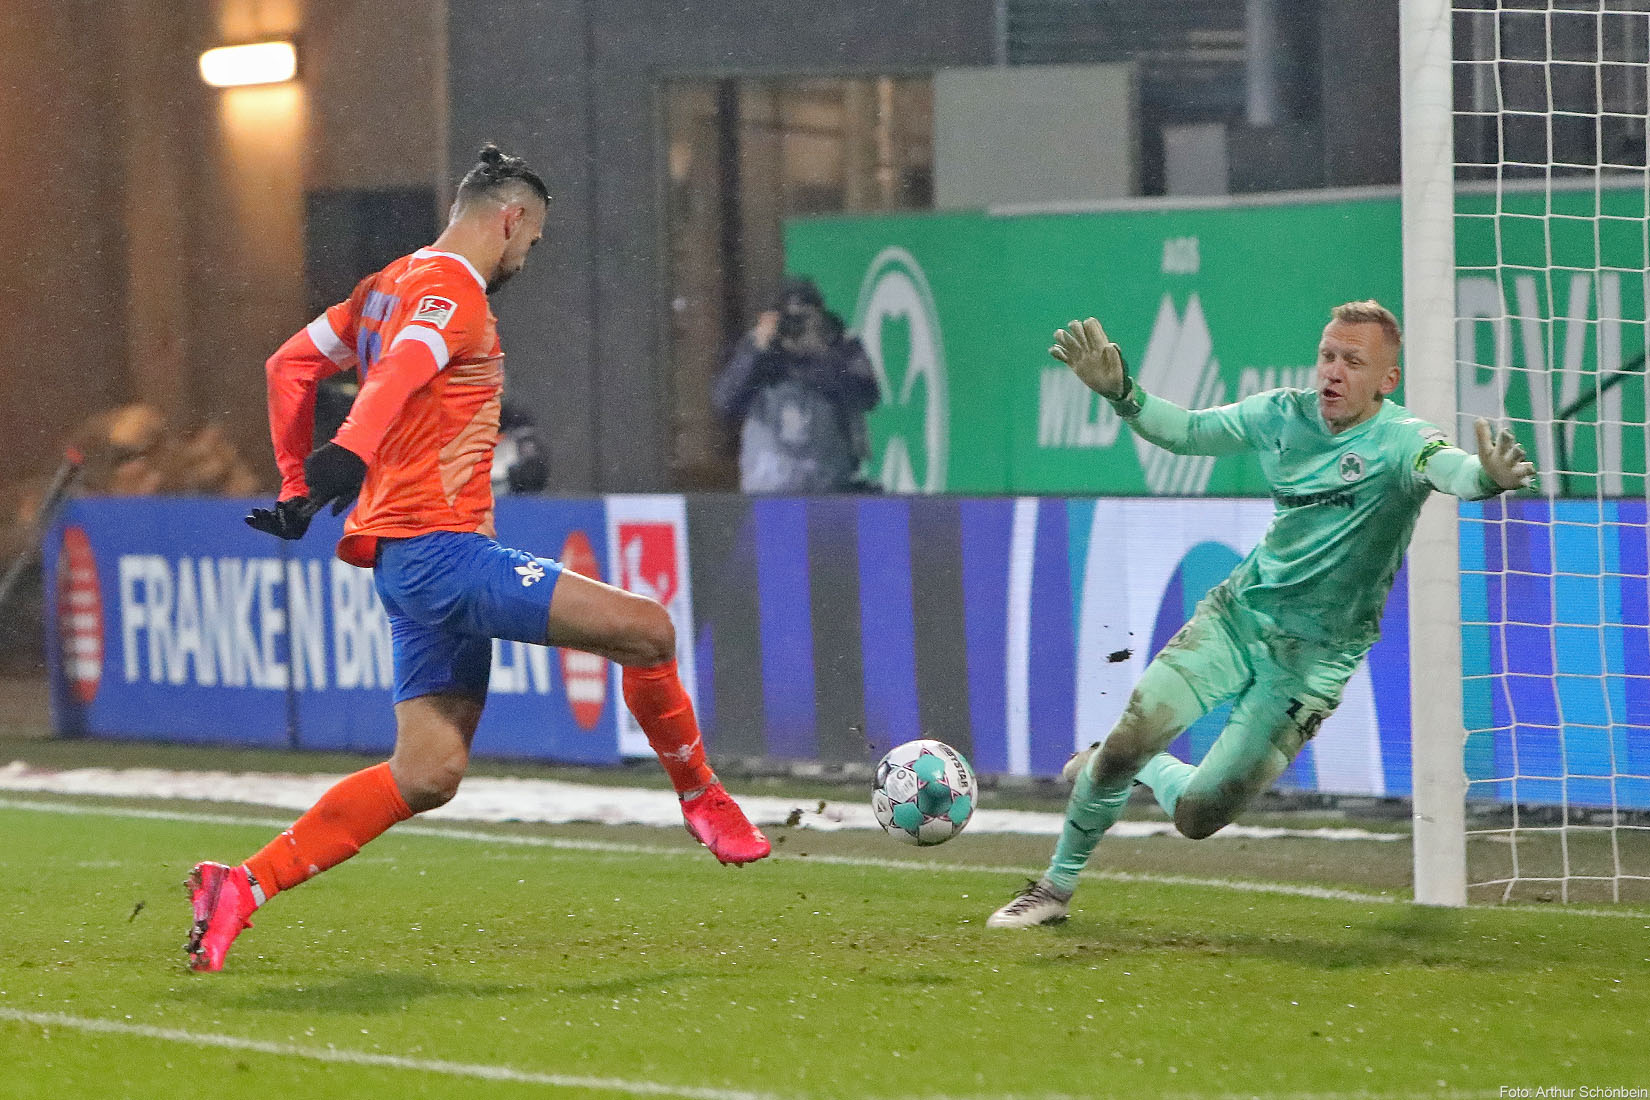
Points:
(254, 63)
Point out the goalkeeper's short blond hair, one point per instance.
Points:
(1370, 312)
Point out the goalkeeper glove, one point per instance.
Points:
(334, 474)
(1082, 346)
(1503, 459)
(289, 519)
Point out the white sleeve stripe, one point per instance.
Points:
(321, 334)
(430, 338)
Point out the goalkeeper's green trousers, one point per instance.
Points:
(1281, 689)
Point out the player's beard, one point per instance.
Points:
(499, 279)
(504, 273)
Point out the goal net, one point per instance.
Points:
(1551, 251)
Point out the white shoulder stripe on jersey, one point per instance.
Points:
(322, 336)
(425, 253)
(430, 338)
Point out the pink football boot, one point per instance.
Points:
(717, 822)
(223, 901)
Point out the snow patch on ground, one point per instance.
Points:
(552, 802)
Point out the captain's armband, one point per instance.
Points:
(1432, 447)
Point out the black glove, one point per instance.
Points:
(334, 474)
(289, 519)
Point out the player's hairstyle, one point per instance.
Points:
(496, 171)
(1370, 312)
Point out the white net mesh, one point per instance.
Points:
(1552, 252)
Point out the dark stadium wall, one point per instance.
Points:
(571, 85)
(60, 264)
(366, 112)
(154, 226)
(245, 197)
(1360, 93)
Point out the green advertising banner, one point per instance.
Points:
(933, 319)
(1211, 304)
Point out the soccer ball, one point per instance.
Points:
(924, 792)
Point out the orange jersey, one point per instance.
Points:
(426, 421)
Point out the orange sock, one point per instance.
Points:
(664, 711)
(352, 812)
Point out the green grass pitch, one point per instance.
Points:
(591, 962)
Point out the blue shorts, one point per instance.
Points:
(448, 595)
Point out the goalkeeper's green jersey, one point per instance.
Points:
(1346, 504)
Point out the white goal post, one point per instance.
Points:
(1437, 732)
(1526, 264)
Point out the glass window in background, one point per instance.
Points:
(742, 155)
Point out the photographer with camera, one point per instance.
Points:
(798, 387)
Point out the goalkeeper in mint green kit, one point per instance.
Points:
(1284, 632)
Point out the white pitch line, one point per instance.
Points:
(382, 1061)
(481, 1071)
(485, 1072)
(1361, 1094)
(1277, 889)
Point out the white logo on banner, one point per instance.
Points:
(1179, 366)
(252, 622)
(585, 674)
(80, 615)
(647, 553)
(895, 289)
(1559, 351)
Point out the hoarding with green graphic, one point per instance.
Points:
(1210, 305)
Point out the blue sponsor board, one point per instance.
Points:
(172, 619)
(1555, 617)
(831, 629)
(1012, 628)
(1024, 623)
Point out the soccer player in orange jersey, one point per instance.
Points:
(415, 457)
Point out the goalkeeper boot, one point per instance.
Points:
(1040, 902)
(223, 899)
(716, 821)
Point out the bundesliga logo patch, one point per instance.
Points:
(435, 310)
